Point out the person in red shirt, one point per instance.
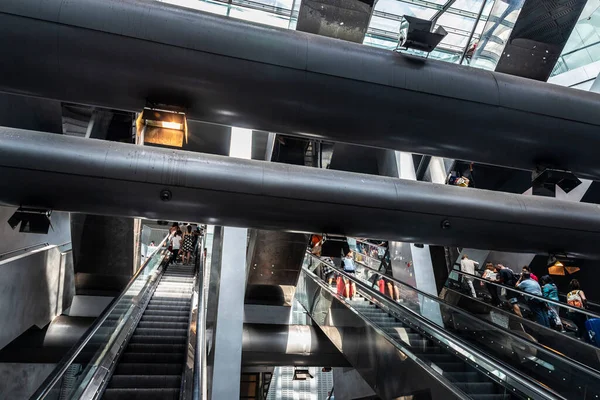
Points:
(527, 270)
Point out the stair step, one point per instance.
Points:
(163, 325)
(158, 339)
(155, 348)
(476, 387)
(141, 394)
(145, 381)
(151, 358)
(160, 332)
(148, 369)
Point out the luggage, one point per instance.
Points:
(340, 286)
(592, 325)
(381, 285)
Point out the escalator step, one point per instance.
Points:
(166, 313)
(155, 348)
(141, 394)
(164, 325)
(152, 358)
(165, 318)
(436, 357)
(451, 367)
(463, 377)
(160, 332)
(169, 302)
(158, 339)
(477, 387)
(169, 309)
(148, 369)
(145, 381)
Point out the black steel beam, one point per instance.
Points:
(93, 176)
(122, 53)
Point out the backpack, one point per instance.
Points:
(574, 299)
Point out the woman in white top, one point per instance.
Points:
(175, 246)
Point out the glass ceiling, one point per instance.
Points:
(384, 27)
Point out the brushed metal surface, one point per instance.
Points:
(94, 176)
(239, 74)
(388, 370)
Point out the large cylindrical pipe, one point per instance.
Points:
(288, 345)
(123, 53)
(93, 176)
(262, 344)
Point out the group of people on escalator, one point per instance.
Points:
(543, 312)
(183, 243)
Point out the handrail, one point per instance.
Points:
(546, 393)
(200, 359)
(70, 357)
(363, 241)
(487, 324)
(518, 291)
(40, 245)
(398, 344)
(522, 320)
(188, 381)
(368, 256)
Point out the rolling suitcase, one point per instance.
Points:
(341, 286)
(381, 284)
(592, 325)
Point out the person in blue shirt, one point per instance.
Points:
(550, 291)
(537, 306)
(349, 268)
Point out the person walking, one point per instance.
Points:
(527, 270)
(491, 275)
(538, 307)
(576, 298)
(175, 246)
(349, 268)
(550, 291)
(468, 267)
(188, 245)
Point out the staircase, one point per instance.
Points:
(152, 364)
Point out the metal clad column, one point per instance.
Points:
(421, 256)
(230, 316)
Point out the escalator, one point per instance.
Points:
(463, 376)
(151, 366)
(565, 342)
(422, 346)
(143, 346)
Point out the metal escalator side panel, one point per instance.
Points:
(387, 369)
(104, 335)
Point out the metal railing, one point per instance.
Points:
(558, 359)
(54, 378)
(512, 377)
(529, 295)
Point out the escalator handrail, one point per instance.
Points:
(569, 360)
(363, 241)
(540, 391)
(400, 346)
(542, 349)
(70, 357)
(439, 331)
(518, 291)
